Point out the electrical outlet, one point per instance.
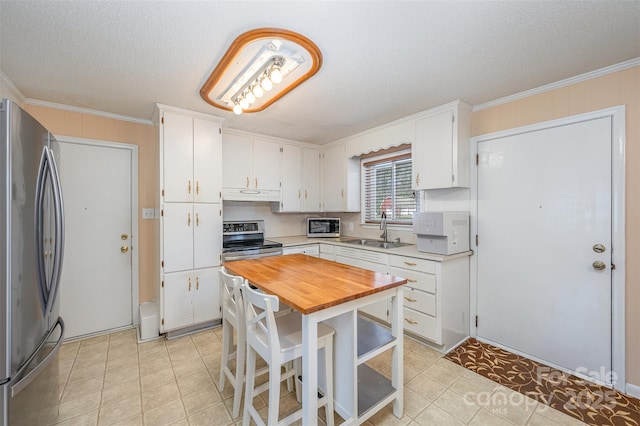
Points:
(148, 214)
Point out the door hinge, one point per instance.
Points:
(162, 212)
(220, 211)
(476, 240)
(453, 118)
(163, 322)
(477, 159)
(219, 130)
(476, 320)
(162, 283)
(163, 192)
(162, 120)
(613, 266)
(162, 263)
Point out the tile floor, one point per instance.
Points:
(113, 380)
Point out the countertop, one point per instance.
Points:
(410, 250)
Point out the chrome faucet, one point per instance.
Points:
(383, 226)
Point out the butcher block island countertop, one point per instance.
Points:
(309, 284)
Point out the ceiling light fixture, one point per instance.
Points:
(260, 67)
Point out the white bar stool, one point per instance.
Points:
(232, 318)
(278, 340)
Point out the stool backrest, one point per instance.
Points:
(262, 332)
(231, 297)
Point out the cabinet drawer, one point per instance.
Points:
(417, 280)
(373, 256)
(413, 263)
(327, 248)
(347, 252)
(420, 301)
(311, 250)
(421, 324)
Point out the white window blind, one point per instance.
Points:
(387, 188)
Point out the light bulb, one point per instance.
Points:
(276, 75)
(244, 104)
(266, 84)
(257, 91)
(250, 97)
(237, 109)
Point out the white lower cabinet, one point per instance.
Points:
(327, 251)
(309, 249)
(190, 297)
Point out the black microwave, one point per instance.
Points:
(323, 227)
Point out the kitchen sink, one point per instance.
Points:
(373, 243)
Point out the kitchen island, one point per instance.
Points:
(323, 290)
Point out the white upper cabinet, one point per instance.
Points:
(440, 151)
(189, 147)
(250, 167)
(300, 179)
(340, 181)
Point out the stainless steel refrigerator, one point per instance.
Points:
(31, 254)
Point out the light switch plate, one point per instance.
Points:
(148, 214)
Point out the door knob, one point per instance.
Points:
(599, 248)
(124, 237)
(124, 249)
(598, 266)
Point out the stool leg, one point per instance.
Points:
(248, 393)
(227, 345)
(237, 394)
(274, 393)
(328, 368)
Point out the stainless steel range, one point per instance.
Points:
(245, 240)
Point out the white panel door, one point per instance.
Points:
(206, 299)
(236, 161)
(178, 300)
(207, 235)
(267, 164)
(177, 157)
(311, 180)
(291, 192)
(544, 201)
(177, 242)
(96, 283)
(207, 151)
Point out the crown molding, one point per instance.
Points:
(14, 93)
(71, 108)
(558, 84)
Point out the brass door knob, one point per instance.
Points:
(124, 249)
(123, 237)
(598, 266)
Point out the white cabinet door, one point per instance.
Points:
(177, 157)
(236, 161)
(177, 300)
(207, 235)
(333, 178)
(207, 152)
(291, 191)
(177, 243)
(206, 298)
(432, 152)
(267, 164)
(310, 180)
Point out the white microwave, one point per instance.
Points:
(323, 227)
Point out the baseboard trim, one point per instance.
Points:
(633, 390)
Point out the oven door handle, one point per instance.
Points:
(239, 256)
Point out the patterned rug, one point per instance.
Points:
(581, 399)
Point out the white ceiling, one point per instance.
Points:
(383, 60)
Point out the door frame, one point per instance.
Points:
(618, 140)
(135, 315)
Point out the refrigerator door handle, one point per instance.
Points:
(22, 383)
(39, 228)
(59, 230)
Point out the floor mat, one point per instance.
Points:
(581, 399)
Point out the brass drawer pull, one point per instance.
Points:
(409, 299)
(409, 280)
(410, 321)
(410, 263)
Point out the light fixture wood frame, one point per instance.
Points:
(250, 36)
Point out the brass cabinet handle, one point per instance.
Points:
(305, 194)
(417, 179)
(197, 219)
(409, 299)
(410, 263)
(197, 187)
(410, 321)
(189, 283)
(189, 187)
(124, 249)
(256, 182)
(409, 280)
(188, 219)
(247, 181)
(197, 283)
(342, 193)
(299, 194)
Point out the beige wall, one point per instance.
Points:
(106, 129)
(620, 88)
